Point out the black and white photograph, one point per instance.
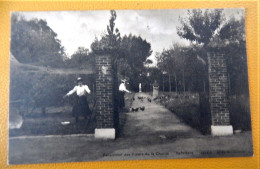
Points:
(112, 85)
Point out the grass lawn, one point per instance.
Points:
(51, 124)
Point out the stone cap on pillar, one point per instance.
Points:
(216, 45)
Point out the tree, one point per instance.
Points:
(200, 27)
(82, 59)
(166, 63)
(34, 42)
(110, 42)
(210, 26)
(183, 69)
(233, 35)
(135, 52)
(196, 76)
(128, 53)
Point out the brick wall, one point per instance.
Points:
(104, 92)
(218, 89)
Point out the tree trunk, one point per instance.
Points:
(204, 86)
(163, 83)
(176, 85)
(170, 86)
(183, 80)
(229, 83)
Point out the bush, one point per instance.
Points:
(40, 89)
(240, 117)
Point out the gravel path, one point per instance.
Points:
(154, 120)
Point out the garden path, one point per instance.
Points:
(154, 120)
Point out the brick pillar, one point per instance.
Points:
(218, 91)
(104, 98)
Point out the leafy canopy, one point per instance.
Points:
(82, 59)
(201, 26)
(34, 42)
(110, 42)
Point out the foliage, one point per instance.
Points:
(110, 42)
(181, 70)
(82, 59)
(20, 85)
(205, 27)
(129, 53)
(135, 52)
(165, 64)
(233, 31)
(40, 89)
(199, 26)
(240, 112)
(233, 35)
(35, 42)
(50, 92)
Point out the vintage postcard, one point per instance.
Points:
(128, 85)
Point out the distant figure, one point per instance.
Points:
(140, 87)
(81, 106)
(122, 91)
(155, 89)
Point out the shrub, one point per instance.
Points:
(41, 89)
(240, 117)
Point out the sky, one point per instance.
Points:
(79, 28)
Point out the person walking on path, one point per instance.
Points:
(122, 91)
(81, 106)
